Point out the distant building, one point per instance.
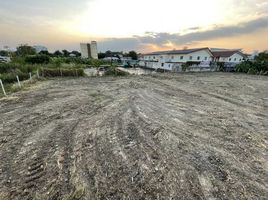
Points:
(229, 56)
(39, 48)
(89, 50)
(174, 59)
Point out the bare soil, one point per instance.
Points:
(186, 136)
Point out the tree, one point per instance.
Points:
(24, 50)
(3, 53)
(37, 59)
(133, 55)
(109, 53)
(65, 53)
(57, 53)
(44, 53)
(101, 55)
(76, 53)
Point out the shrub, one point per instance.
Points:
(49, 72)
(11, 77)
(115, 72)
(37, 59)
(258, 66)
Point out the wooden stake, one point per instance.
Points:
(18, 81)
(3, 87)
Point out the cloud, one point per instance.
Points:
(161, 39)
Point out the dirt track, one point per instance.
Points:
(189, 136)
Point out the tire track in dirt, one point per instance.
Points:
(135, 138)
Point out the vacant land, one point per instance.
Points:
(187, 136)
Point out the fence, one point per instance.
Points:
(18, 82)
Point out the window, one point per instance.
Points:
(172, 57)
(161, 57)
(206, 58)
(240, 59)
(234, 59)
(149, 57)
(181, 57)
(162, 64)
(191, 57)
(230, 59)
(154, 57)
(198, 57)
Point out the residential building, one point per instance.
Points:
(173, 60)
(228, 56)
(89, 50)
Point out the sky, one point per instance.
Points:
(141, 25)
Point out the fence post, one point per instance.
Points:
(37, 73)
(76, 72)
(30, 74)
(3, 87)
(18, 81)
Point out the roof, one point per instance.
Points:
(184, 51)
(226, 54)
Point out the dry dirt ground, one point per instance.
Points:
(186, 136)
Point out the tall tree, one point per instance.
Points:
(65, 53)
(3, 53)
(24, 50)
(57, 53)
(133, 55)
(76, 53)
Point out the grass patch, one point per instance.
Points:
(49, 72)
(112, 71)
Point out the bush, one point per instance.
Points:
(49, 72)
(11, 77)
(37, 59)
(115, 72)
(10, 67)
(258, 66)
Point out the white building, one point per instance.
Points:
(89, 50)
(229, 56)
(173, 60)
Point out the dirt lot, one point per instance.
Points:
(186, 136)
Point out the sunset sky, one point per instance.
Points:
(141, 25)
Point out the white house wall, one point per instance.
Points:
(236, 58)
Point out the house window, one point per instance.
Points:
(172, 57)
(240, 59)
(230, 59)
(181, 57)
(198, 57)
(206, 58)
(191, 57)
(162, 64)
(149, 57)
(154, 57)
(234, 59)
